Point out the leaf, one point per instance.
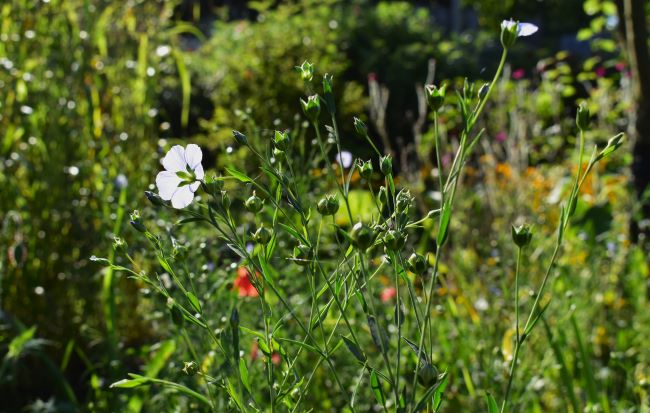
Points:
(437, 396)
(243, 373)
(378, 334)
(354, 349)
(377, 389)
(19, 342)
(130, 383)
(419, 353)
(293, 233)
(194, 302)
(492, 404)
(422, 404)
(613, 144)
(237, 174)
(444, 223)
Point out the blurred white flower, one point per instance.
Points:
(180, 179)
(523, 29)
(344, 158)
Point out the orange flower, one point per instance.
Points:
(243, 284)
(388, 294)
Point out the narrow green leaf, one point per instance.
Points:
(354, 349)
(377, 389)
(243, 373)
(444, 223)
(492, 404)
(237, 174)
(422, 404)
(194, 302)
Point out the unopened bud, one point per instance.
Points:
(386, 165)
(254, 203)
(328, 205)
(417, 264)
(521, 235)
(362, 236)
(435, 96)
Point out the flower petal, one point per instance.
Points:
(167, 183)
(194, 186)
(174, 161)
(198, 172)
(507, 24)
(182, 197)
(526, 29)
(193, 155)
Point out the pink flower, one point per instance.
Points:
(518, 74)
(620, 66)
(243, 284)
(501, 136)
(388, 294)
(600, 71)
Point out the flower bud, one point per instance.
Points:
(155, 199)
(427, 375)
(225, 200)
(417, 264)
(119, 244)
(311, 107)
(328, 82)
(509, 33)
(136, 222)
(521, 235)
(262, 236)
(583, 117)
(240, 138)
(362, 236)
(483, 91)
(382, 195)
(281, 140)
(394, 240)
(190, 368)
(328, 205)
(254, 203)
(279, 155)
(404, 200)
(386, 165)
(360, 127)
(306, 71)
(302, 255)
(365, 168)
(435, 96)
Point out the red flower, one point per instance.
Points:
(388, 294)
(243, 284)
(518, 74)
(501, 136)
(600, 71)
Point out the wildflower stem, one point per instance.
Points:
(518, 341)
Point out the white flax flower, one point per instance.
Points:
(523, 29)
(182, 175)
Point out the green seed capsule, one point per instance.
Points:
(362, 236)
(303, 255)
(427, 375)
(417, 264)
(262, 235)
(521, 235)
(254, 203)
(328, 205)
(386, 165)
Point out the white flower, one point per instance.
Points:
(523, 29)
(344, 158)
(180, 179)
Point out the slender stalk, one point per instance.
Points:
(518, 341)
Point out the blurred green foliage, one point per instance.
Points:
(92, 90)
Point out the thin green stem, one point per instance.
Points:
(513, 365)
